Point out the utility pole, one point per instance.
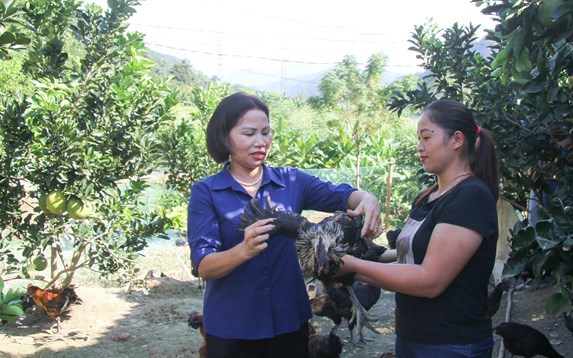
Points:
(283, 70)
(219, 57)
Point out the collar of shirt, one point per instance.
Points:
(223, 179)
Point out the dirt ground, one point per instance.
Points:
(113, 323)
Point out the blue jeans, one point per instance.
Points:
(406, 349)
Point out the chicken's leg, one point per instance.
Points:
(360, 317)
(57, 319)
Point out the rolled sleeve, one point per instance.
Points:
(202, 225)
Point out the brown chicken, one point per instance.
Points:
(195, 321)
(55, 301)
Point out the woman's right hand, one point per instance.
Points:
(256, 236)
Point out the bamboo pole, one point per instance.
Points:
(388, 195)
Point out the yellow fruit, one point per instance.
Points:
(40, 263)
(546, 10)
(78, 209)
(56, 202)
(11, 313)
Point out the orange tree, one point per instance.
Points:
(535, 47)
(521, 89)
(75, 150)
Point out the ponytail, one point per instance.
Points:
(484, 161)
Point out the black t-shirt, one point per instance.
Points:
(457, 316)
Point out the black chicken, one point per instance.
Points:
(337, 305)
(373, 253)
(494, 298)
(392, 237)
(320, 247)
(523, 340)
(324, 346)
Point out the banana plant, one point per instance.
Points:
(10, 305)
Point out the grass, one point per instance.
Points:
(164, 259)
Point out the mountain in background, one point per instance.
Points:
(308, 85)
(292, 85)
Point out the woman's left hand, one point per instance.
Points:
(370, 208)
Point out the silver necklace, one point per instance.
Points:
(245, 183)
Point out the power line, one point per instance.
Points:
(261, 57)
(317, 39)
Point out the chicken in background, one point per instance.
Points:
(494, 298)
(319, 345)
(523, 340)
(336, 304)
(387, 355)
(324, 345)
(27, 302)
(55, 301)
(391, 237)
(195, 321)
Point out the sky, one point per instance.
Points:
(255, 42)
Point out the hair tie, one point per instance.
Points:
(478, 130)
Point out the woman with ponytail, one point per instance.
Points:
(446, 250)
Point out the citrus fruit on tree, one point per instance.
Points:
(546, 10)
(40, 263)
(56, 202)
(42, 202)
(79, 209)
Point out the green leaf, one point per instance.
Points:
(13, 296)
(537, 214)
(524, 238)
(514, 267)
(7, 38)
(543, 228)
(555, 303)
(546, 244)
(534, 87)
(6, 232)
(560, 217)
(11, 313)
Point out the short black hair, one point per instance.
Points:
(226, 116)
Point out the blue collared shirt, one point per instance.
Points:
(265, 296)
